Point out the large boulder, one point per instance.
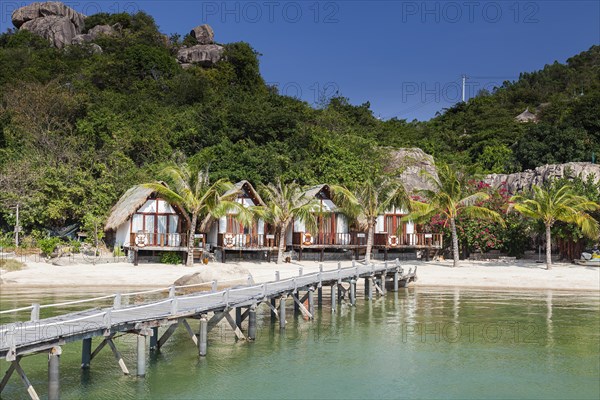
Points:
(204, 34)
(411, 162)
(225, 273)
(205, 55)
(93, 34)
(47, 9)
(60, 31)
(526, 179)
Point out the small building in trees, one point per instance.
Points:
(333, 233)
(145, 225)
(527, 116)
(229, 237)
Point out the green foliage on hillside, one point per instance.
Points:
(78, 128)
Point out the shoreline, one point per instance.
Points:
(477, 275)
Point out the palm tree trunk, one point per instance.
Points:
(281, 249)
(454, 242)
(190, 254)
(548, 247)
(369, 243)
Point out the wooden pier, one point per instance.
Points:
(21, 339)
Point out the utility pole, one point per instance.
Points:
(464, 84)
(17, 227)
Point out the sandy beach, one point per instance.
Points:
(520, 275)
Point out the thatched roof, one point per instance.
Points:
(129, 203)
(315, 190)
(248, 188)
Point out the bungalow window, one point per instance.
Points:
(159, 220)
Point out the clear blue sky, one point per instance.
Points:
(405, 57)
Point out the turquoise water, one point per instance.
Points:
(418, 343)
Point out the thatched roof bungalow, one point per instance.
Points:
(144, 221)
(333, 228)
(229, 234)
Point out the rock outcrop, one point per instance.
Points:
(93, 34)
(60, 31)
(204, 34)
(202, 54)
(411, 162)
(526, 179)
(51, 20)
(47, 9)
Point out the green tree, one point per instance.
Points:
(450, 198)
(193, 192)
(553, 204)
(371, 199)
(285, 203)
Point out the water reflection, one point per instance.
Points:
(471, 343)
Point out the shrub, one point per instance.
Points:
(48, 245)
(170, 258)
(6, 240)
(118, 252)
(75, 246)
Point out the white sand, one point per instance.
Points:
(493, 275)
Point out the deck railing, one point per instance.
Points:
(329, 239)
(433, 240)
(247, 241)
(154, 239)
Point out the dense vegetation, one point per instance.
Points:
(78, 128)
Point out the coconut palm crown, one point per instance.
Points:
(284, 204)
(450, 197)
(371, 199)
(553, 204)
(193, 192)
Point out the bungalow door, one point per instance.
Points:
(327, 229)
(392, 223)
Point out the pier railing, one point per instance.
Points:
(91, 320)
(19, 339)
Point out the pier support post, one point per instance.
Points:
(238, 317)
(86, 353)
(141, 355)
(54, 373)
(273, 315)
(296, 306)
(333, 296)
(396, 280)
(154, 339)
(282, 312)
(252, 322)
(382, 281)
(368, 293)
(311, 300)
(320, 296)
(353, 292)
(203, 336)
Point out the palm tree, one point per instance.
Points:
(284, 203)
(371, 199)
(558, 204)
(450, 198)
(193, 192)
